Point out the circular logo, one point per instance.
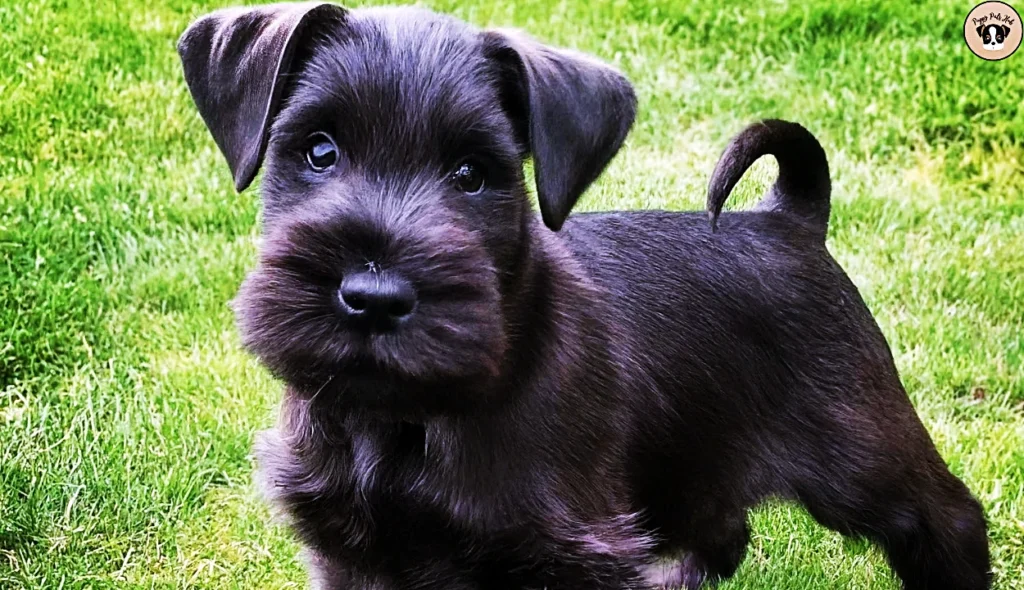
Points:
(993, 30)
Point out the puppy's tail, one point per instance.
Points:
(803, 187)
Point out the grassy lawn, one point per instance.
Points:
(127, 408)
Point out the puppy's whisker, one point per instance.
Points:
(322, 387)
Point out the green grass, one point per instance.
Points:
(127, 407)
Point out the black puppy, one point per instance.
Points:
(993, 36)
(476, 402)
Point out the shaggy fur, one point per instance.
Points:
(563, 409)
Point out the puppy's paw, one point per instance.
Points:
(687, 573)
(664, 575)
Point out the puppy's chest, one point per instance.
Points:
(378, 498)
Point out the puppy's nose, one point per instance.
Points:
(376, 301)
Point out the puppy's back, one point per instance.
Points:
(708, 315)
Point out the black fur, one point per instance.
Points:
(803, 187)
(562, 409)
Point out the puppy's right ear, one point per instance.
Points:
(236, 61)
(1006, 30)
(981, 29)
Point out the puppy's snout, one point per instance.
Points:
(376, 301)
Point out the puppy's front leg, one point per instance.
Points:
(595, 558)
(595, 571)
(328, 574)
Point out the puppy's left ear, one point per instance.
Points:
(571, 111)
(1006, 30)
(236, 61)
(981, 29)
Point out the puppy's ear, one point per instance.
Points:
(1006, 30)
(236, 61)
(981, 30)
(572, 113)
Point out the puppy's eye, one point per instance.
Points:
(468, 178)
(322, 152)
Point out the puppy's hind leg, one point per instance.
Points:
(897, 491)
(946, 546)
(933, 531)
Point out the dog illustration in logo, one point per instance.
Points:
(993, 36)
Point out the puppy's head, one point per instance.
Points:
(396, 219)
(993, 36)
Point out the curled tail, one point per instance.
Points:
(803, 187)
